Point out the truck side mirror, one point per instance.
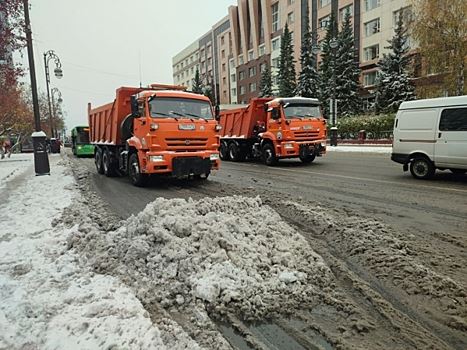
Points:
(134, 106)
(275, 114)
(217, 113)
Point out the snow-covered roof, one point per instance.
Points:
(435, 102)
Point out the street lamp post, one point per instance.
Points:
(51, 55)
(41, 159)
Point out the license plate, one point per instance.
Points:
(186, 126)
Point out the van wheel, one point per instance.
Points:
(269, 155)
(458, 171)
(98, 161)
(422, 168)
(236, 153)
(224, 151)
(134, 172)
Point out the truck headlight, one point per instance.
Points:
(214, 156)
(156, 158)
(288, 145)
(218, 127)
(279, 135)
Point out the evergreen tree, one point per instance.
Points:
(197, 84)
(393, 85)
(347, 72)
(327, 66)
(265, 84)
(308, 80)
(208, 91)
(286, 76)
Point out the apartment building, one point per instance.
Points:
(185, 64)
(242, 44)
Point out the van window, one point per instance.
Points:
(454, 119)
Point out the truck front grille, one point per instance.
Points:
(306, 135)
(186, 144)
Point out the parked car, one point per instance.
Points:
(431, 134)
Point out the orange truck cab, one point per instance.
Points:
(161, 129)
(273, 129)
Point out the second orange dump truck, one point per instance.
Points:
(273, 129)
(161, 129)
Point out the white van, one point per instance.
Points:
(431, 134)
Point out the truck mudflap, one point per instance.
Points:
(184, 166)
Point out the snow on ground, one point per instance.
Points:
(361, 149)
(47, 301)
(14, 166)
(232, 255)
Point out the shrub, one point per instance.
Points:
(376, 127)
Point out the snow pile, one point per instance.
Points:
(233, 254)
(47, 300)
(360, 149)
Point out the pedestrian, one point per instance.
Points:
(7, 147)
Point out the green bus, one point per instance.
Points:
(80, 144)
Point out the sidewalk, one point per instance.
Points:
(47, 300)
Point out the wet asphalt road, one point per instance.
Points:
(367, 183)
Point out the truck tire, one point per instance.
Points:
(98, 161)
(308, 159)
(422, 168)
(224, 151)
(107, 164)
(269, 155)
(136, 177)
(236, 153)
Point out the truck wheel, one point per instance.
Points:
(109, 169)
(224, 151)
(136, 177)
(236, 153)
(308, 159)
(422, 168)
(98, 161)
(269, 155)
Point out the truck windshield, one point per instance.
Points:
(302, 111)
(168, 107)
(82, 136)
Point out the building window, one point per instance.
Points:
(290, 18)
(369, 79)
(224, 80)
(372, 27)
(252, 87)
(406, 16)
(223, 53)
(371, 4)
(234, 91)
(241, 75)
(290, 2)
(232, 63)
(233, 78)
(343, 12)
(323, 3)
(222, 40)
(275, 62)
(251, 55)
(276, 43)
(240, 60)
(223, 67)
(252, 72)
(242, 90)
(371, 52)
(275, 17)
(261, 50)
(324, 21)
(192, 70)
(263, 67)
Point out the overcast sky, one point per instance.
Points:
(100, 43)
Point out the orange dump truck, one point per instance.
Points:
(161, 129)
(273, 129)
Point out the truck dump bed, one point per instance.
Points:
(105, 121)
(239, 122)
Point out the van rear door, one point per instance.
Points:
(451, 145)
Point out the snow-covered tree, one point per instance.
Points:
(347, 71)
(308, 80)
(286, 76)
(393, 85)
(265, 85)
(328, 63)
(197, 83)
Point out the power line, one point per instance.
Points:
(99, 71)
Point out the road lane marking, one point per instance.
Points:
(366, 179)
